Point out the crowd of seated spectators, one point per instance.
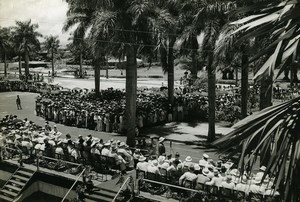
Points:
(207, 175)
(24, 137)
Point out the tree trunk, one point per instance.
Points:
(97, 66)
(236, 76)
(20, 65)
(5, 65)
(211, 74)
(171, 70)
(266, 88)
(80, 64)
(52, 61)
(244, 84)
(195, 68)
(26, 64)
(131, 88)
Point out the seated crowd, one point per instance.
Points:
(26, 138)
(206, 175)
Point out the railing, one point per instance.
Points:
(73, 184)
(128, 180)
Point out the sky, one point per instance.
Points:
(49, 14)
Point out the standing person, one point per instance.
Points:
(161, 146)
(18, 102)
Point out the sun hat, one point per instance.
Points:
(196, 167)
(263, 168)
(122, 144)
(107, 144)
(154, 163)
(188, 159)
(257, 180)
(161, 139)
(205, 171)
(205, 156)
(161, 159)
(142, 158)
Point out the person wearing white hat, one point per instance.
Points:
(105, 151)
(153, 167)
(202, 178)
(261, 172)
(216, 180)
(188, 176)
(142, 164)
(228, 183)
(243, 185)
(161, 146)
(188, 161)
(123, 152)
(204, 161)
(256, 189)
(59, 150)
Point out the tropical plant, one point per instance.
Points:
(26, 38)
(208, 19)
(273, 134)
(51, 45)
(5, 45)
(123, 28)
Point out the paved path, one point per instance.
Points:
(8, 106)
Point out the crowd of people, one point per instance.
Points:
(25, 138)
(106, 113)
(206, 172)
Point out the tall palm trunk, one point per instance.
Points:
(194, 69)
(20, 64)
(236, 76)
(26, 64)
(266, 88)
(52, 61)
(211, 74)
(171, 69)
(131, 88)
(5, 65)
(80, 63)
(97, 66)
(244, 84)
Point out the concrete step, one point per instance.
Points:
(21, 177)
(25, 173)
(98, 198)
(8, 186)
(26, 170)
(16, 182)
(89, 200)
(105, 193)
(5, 198)
(13, 194)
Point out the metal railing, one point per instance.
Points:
(73, 184)
(128, 179)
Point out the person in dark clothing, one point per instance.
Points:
(161, 146)
(18, 102)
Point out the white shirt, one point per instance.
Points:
(142, 166)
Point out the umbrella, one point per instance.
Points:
(76, 88)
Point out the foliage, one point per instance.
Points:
(26, 36)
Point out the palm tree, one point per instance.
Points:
(81, 15)
(123, 27)
(52, 44)
(5, 45)
(208, 19)
(26, 36)
(273, 134)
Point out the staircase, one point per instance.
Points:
(14, 186)
(101, 195)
